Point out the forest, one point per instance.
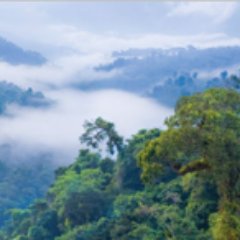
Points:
(181, 183)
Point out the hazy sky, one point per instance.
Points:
(90, 26)
(75, 37)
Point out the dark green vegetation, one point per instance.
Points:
(179, 184)
(22, 181)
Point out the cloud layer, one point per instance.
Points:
(77, 37)
(218, 12)
(59, 128)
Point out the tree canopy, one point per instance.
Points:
(182, 183)
(203, 136)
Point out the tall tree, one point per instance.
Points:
(99, 131)
(203, 136)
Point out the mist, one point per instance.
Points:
(57, 129)
(74, 46)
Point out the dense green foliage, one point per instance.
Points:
(189, 188)
(203, 137)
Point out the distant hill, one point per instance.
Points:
(160, 73)
(11, 93)
(177, 59)
(13, 54)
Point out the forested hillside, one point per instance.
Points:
(13, 94)
(15, 55)
(181, 183)
(167, 74)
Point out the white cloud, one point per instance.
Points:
(73, 51)
(43, 27)
(87, 50)
(218, 11)
(88, 42)
(57, 73)
(58, 129)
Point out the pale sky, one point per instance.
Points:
(54, 27)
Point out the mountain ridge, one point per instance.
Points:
(15, 55)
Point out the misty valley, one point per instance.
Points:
(120, 121)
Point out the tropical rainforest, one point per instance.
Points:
(181, 183)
